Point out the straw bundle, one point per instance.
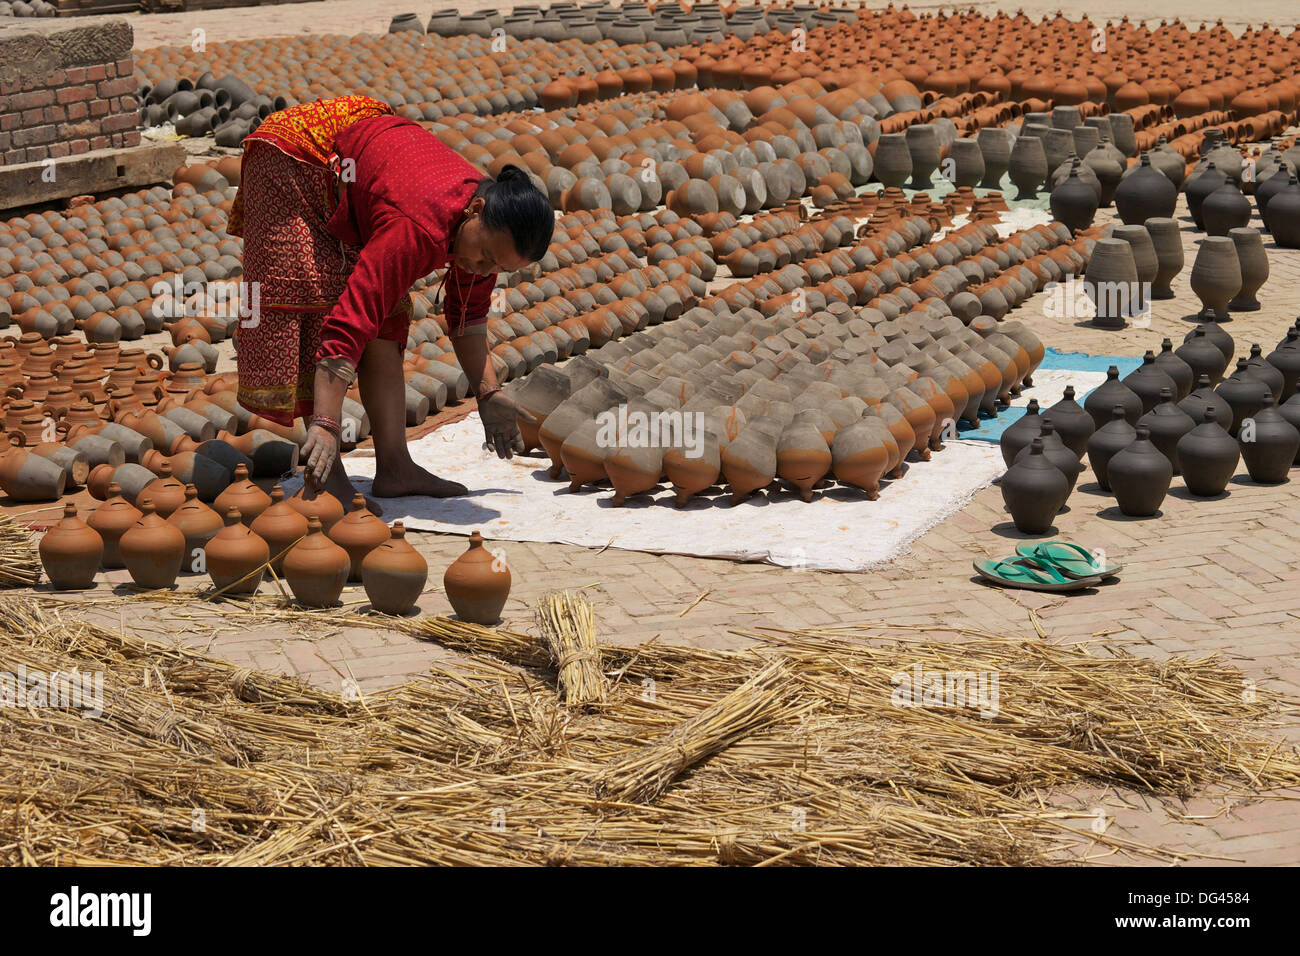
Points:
(568, 625)
(20, 565)
(791, 753)
(642, 776)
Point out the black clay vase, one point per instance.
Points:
(1225, 209)
(1034, 490)
(1166, 425)
(1145, 193)
(1286, 359)
(1219, 336)
(1199, 186)
(1209, 456)
(1204, 395)
(1072, 423)
(1108, 441)
(1290, 410)
(1201, 355)
(1074, 202)
(1056, 452)
(1245, 393)
(1269, 444)
(1107, 395)
(1139, 477)
(1148, 379)
(1020, 432)
(1183, 374)
(1265, 372)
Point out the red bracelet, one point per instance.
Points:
(329, 424)
(490, 392)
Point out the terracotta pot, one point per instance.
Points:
(316, 568)
(281, 526)
(152, 549)
(394, 574)
(236, 557)
(71, 551)
(860, 455)
(1034, 490)
(167, 493)
(358, 533)
(198, 523)
(1139, 476)
(111, 520)
(25, 476)
(477, 583)
(245, 496)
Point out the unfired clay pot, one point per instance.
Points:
(1034, 490)
(235, 557)
(477, 583)
(1139, 476)
(198, 523)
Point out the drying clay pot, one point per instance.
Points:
(198, 523)
(477, 583)
(111, 520)
(70, 552)
(281, 526)
(236, 556)
(322, 505)
(316, 568)
(358, 533)
(394, 574)
(1108, 441)
(1139, 476)
(244, 496)
(152, 549)
(1034, 491)
(1208, 456)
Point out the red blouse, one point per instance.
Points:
(402, 207)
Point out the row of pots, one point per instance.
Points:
(1141, 431)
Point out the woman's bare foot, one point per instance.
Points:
(341, 487)
(411, 479)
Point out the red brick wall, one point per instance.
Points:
(68, 111)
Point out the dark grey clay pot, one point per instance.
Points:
(1204, 395)
(1208, 456)
(1139, 477)
(1167, 424)
(1109, 393)
(1072, 423)
(1020, 433)
(1056, 452)
(1269, 444)
(1108, 441)
(1148, 379)
(1034, 490)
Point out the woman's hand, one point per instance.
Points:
(501, 425)
(320, 451)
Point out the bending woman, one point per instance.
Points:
(343, 206)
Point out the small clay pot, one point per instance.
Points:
(244, 496)
(1166, 424)
(358, 533)
(477, 583)
(152, 549)
(71, 551)
(394, 574)
(316, 568)
(111, 520)
(1102, 399)
(1072, 423)
(1208, 456)
(236, 556)
(1034, 490)
(198, 523)
(1108, 441)
(1139, 476)
(1269, 444)
(281, 526)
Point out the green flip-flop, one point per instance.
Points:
(1072, 560)
(1030, 574)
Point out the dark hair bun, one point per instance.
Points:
(511, 174)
